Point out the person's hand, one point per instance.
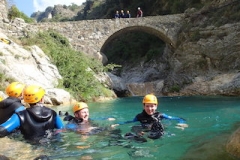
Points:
(111, 119)
(114, 125)
(181, 126)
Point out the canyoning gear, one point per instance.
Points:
(35, 121)
(15, 89)
(157, 128)
(33, 94)
(12, 123)
(148, 120)
(8, 107)
(71, 118)
(83, 127)
(145, 119)
(79, 106)
(150, 98)
(135, 137)
(3, 132)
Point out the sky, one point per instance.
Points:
(30, 6)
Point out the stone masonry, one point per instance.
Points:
(91, 36)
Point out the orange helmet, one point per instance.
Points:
(33, 94)
(79, 106)
(15, 89)
(150, 98)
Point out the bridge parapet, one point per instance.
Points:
(90, 36)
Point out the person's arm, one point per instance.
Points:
(58, 123)
(180, 120)
(12, 123)
(126, 122)
(20, 109)
(71, 126)
(104, 118)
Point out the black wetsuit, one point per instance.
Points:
(147, 120)
(8, 107)
(86, 128)
(152, 123)
(36, 120)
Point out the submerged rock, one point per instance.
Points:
(233, 145)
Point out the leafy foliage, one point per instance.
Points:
(13, 12)
(76, 69)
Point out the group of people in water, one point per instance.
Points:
(35, 121)
(122, 14)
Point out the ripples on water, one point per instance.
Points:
(211, 120)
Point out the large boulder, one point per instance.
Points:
(28, 66)
(31, 66)
(233, 145)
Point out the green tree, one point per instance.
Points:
(13, 13)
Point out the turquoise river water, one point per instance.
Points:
(211, 121)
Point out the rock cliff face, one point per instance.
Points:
(31, 66)
(205, 61)
(207, 66)
(57, 11)
(210, 65)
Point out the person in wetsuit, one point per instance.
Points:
(12, 103)
(150, 118)
(81, 122)
(35, 122)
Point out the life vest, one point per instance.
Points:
(8, 107)
(36, 121)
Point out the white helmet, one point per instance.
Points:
(138, 8)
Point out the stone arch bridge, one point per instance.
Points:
(91, 36)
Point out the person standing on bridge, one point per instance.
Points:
(139, 12)
(128, 15)
(117, 15)
(122, 14)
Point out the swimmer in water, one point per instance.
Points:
(81, 122)
(150, 118)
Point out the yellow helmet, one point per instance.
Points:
(1, 98)
(15, 89)
(33, 94)
(78, 106)
(150, 98)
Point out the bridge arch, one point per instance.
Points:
(145, 29)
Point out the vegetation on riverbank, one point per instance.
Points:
(76, 69)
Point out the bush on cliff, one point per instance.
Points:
(74, 66)
(13, 12)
